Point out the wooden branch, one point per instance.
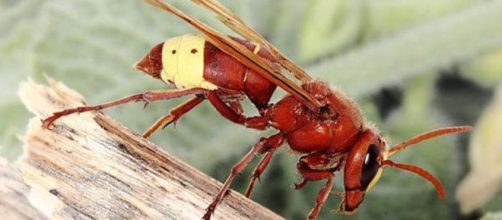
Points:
(88, 166)
(14, 204)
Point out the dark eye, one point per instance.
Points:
(370, 166)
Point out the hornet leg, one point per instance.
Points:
(321, 198)
(259, 170)
(145, 97)
(264, 145)
(258, 122)
(236, 106)
(174, 114)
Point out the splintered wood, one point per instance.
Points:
(14, 202)
(87, 166)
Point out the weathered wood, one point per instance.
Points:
(14, 204)
(88, 166)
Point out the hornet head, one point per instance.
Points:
(368, 157)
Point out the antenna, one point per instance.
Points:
(421, 172)
(426, 136)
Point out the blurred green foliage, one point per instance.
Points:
(438, 61)
(485, 153)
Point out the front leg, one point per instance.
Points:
(315, 175)
(321, 198)
(318, 166)
(146, 97)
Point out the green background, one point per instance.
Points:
(411, 65)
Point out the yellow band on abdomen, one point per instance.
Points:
(183, 62)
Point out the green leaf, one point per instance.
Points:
(429, 47)
(485, 70)
(484, 179)
(390, 16)
(330, 26)
(492, 216)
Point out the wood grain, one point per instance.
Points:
(14, 204)
(88, 166)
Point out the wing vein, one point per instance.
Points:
(243, 54)
(237, 25)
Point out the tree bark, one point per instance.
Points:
(88, 166)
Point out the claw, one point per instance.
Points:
(48, 121)
(165, 126)
(300, 185)
(170, 121)
(44, 122)
(209, 212)
(338, 193)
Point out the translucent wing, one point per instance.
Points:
(236, 24)
(235, 49)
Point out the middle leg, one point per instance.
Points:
(259, 169)
(264, 145)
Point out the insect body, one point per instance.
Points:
(320, 123)
(325, 136)
(190, 61)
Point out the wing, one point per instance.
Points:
(236, 24)
(266, 69)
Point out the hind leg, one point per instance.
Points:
(146, 97)
(174, 115)
(258, 122)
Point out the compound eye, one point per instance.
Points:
(370, 166)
